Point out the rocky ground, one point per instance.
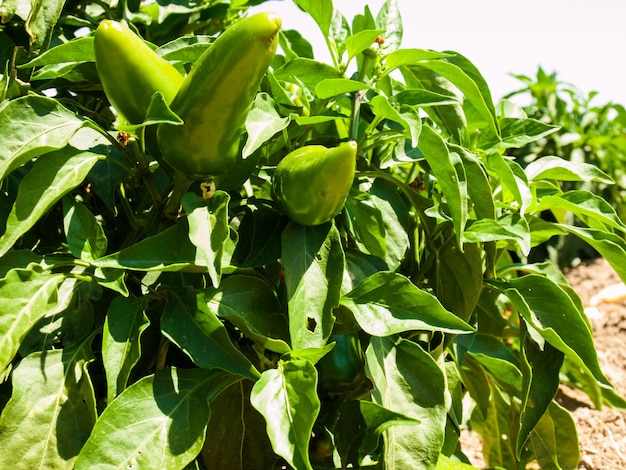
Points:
(602, 433)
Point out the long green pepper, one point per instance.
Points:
(216, 96)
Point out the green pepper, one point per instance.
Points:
(311, 184)
(216, 96)
(342, 370)
(131, 72)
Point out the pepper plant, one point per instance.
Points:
(149, 323)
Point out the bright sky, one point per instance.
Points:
(584, 42)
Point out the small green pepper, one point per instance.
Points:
(311, 184)
(131, 72)
(216, 96)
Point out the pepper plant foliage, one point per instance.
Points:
(134, 335)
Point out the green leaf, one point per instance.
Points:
(555, 439)
(313, 261)
(169, 250)
(125, 322)
(557, 168)
(287, 399)
(480, 190)
(158, 112)
(458, 278)
(387, 303)
(389, 19)
(25, 297)
(559, 321)
(541, 368)
(360, 426)
(407, 380)
(190, 324)
(85, 235)
(158, 422)
(236, 437)
(259, 237)
(594, 210)
(404, 57)
(448, 169)
(330, 87)
(513, 180)
(512, 228)
(31, 126)
(611, 246)
(306, 71)
(50, 178)
(208, 229)
(384, 110)
(60, 60)
(516, 132)
(320, 10)
(262, 123)
(51, 411)
(41, 21)
(251, 305)
(185, 49)
(361, 41)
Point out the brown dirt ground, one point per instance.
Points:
(601, 433)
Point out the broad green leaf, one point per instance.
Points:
(512, 228)
(51, 177)
(294, 45)
(259, 237)
(458, 278)
(313, 261)
(589, 207)
(32, 126)
(364, 221)
(330, 87)
(384, 110)
(495, 359)
(361, 41)
(158, 112)
(555, 439)
(389, 19)
(125, 321)
(513, 180)
(541, 368)
(387, 303)
(236, 437)
(360, 426)
(448, 169)
(422, 98)
(557, 168)
(169, 250)
(611, 246)
(25, 297)
(68, 322)
(262, 123)
(190, 324)
(287, 399)
(479, 187)
(494, 429)
(85, 235)
(448, 463)
(185, 49)
(320, 10)
(251, 305)
(558, 321)
(61, 59)
(449, 117)
(306, 71)
(158, 422)
(41, 21)
(407, 380)
(474, 89)
(516, 132)
(405, 57)
(208, 229)
(51, 411)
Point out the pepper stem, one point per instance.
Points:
(182, 183)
